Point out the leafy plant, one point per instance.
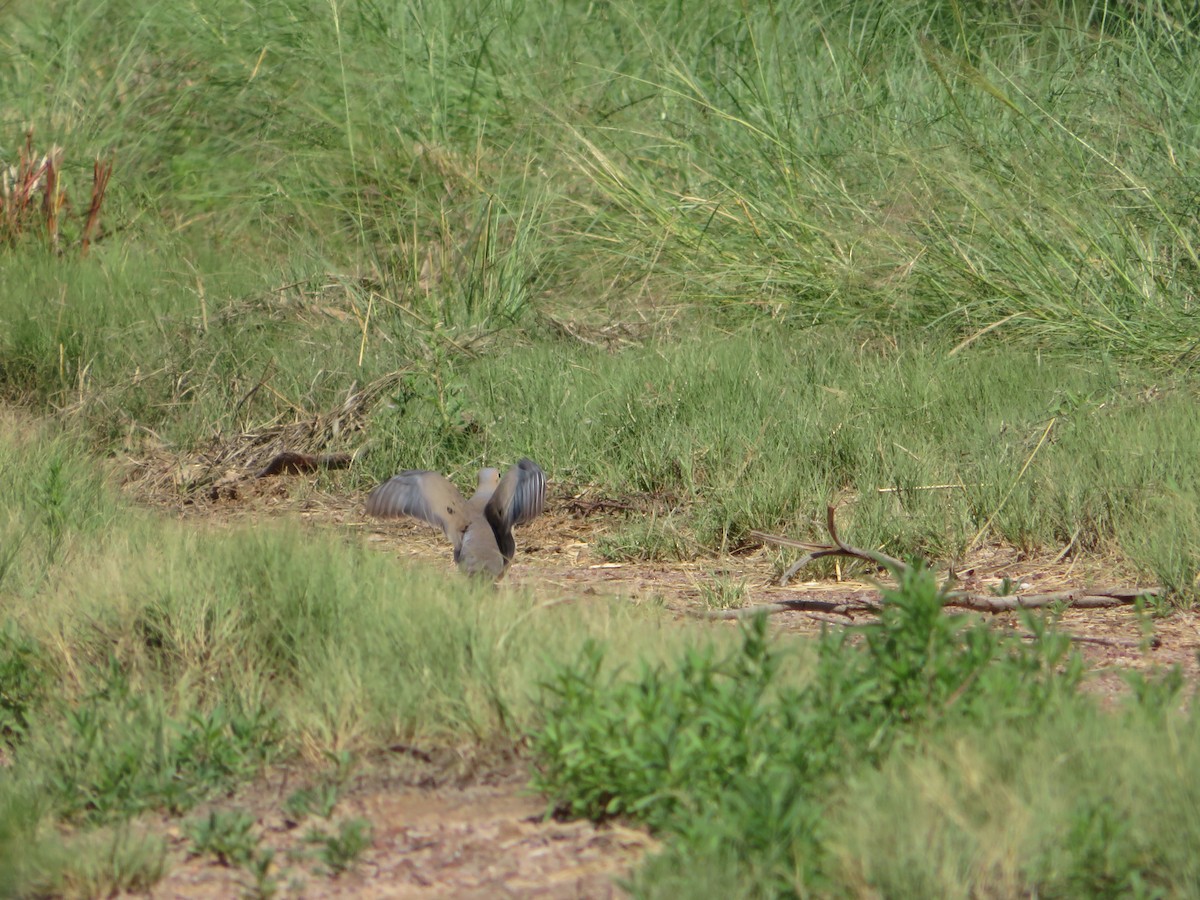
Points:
(263, 884)
(22, 681)
(116, 752)
(51, 497)
(320, 800)
(723, 593)
(226, 834)
(1104, 857)
(10, 553)
(437, 393)
(230, 837)
(722, 753)
(340, 849)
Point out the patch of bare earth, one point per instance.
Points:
(556, 556)
(427, 840)
(489, 839)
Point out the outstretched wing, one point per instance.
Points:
(427, 496)
(520, 497)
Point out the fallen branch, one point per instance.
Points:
(1083, 599)
(817, 612)
(1087, 598)
(958, 486)
(1153, 643)
(817, 608)
(813, 606)
(291, 463)
(839, 548)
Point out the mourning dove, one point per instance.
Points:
(480, 528)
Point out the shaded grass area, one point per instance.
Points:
(928, 757)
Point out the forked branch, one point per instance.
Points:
(1085, 598)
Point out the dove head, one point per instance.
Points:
(488, 480)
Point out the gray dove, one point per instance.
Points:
(480, 528)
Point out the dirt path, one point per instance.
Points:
(483, 840)
(488, 839)
(557, 557)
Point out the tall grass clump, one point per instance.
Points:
(965, 167)
(341, 646)
(281, 212)
(57, 504)
(349, 649)
(758, 782)
(179, 665)
(1095, 804)
(307, 198)
(396, 142)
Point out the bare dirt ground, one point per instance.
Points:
(486, 838)
(483, 836)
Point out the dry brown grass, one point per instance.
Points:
(34, 200)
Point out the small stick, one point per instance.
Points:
(1089, 598)
(52, 198)
(1067, 549)
(254, 390)
(1154, 643)
(291, 462)
(749, 612)
(921, 487)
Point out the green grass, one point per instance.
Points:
(148, 665)
(726, 262)
(1003, 226)
(930, 758)
(329, 635)
(760, 428)
(1066, 808)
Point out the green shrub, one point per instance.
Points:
(741, 765)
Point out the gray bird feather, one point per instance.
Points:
(480, 529)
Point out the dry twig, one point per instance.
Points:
(101, 172)
(1085, 598)
(290, 462)
(1153, 643)
(305, 444)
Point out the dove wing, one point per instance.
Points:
(427, 496)
(520, 497)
